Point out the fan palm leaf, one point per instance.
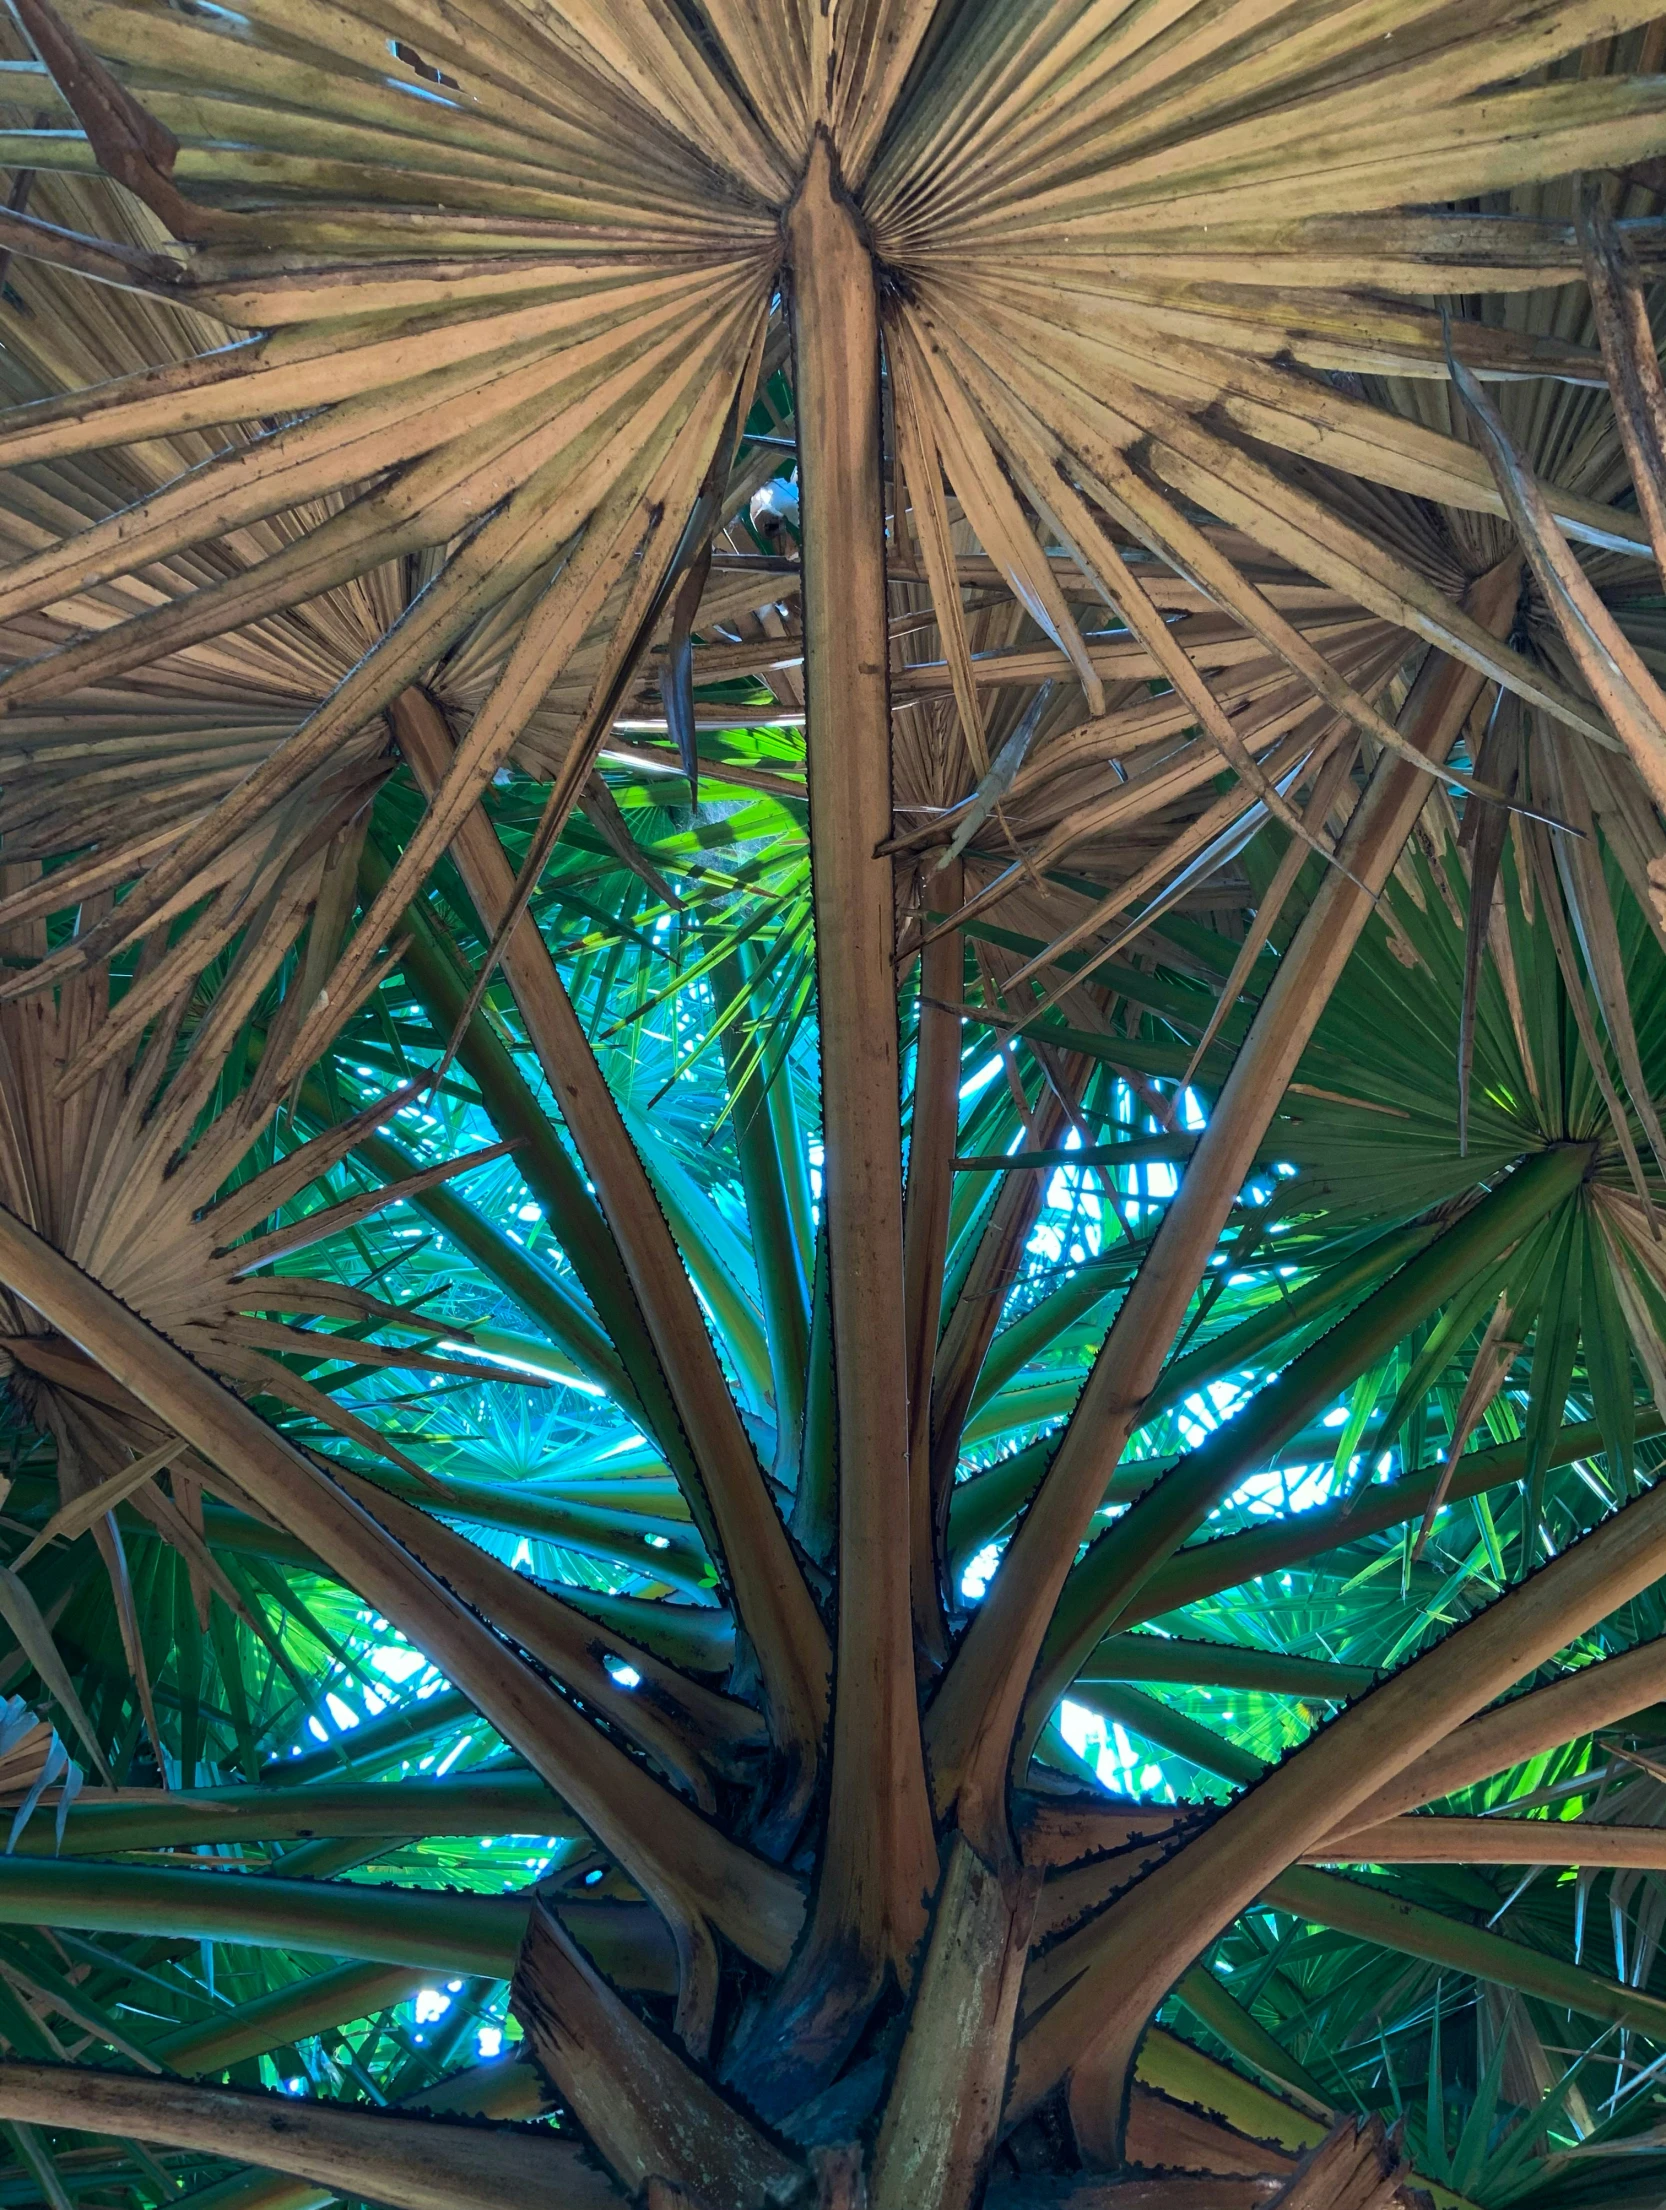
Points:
(1225, 672)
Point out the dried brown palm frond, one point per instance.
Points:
(187, 720)
(122, 1167)
(1589, 611)
(32, 1760)
(1186, 531)
(470, 377)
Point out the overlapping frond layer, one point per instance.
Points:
(471, 818)
(1009, 171)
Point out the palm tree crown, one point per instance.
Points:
(884, 786)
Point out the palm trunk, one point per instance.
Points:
(945, 2103)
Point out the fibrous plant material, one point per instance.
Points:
(834, 909)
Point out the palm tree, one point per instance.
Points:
(832, 842)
